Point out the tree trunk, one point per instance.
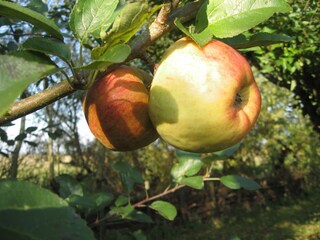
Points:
(50, 157)
(13, 171)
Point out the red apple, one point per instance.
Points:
(203, 99)
(116, 110)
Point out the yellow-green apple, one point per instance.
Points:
(203, 99)
(116, 109)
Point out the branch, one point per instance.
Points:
(161, 25)
(37, 101)
(149, 199)
(160, 195)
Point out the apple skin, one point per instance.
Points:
(116, 109)
(203, 99)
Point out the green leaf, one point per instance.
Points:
(165, 209)
(183, 155)
(30, 212)
(20, 137)
(68, 186)
(102, 200)
(198, 38)
(139, 216)
(130, 19)
(13, 10)
(220, 155)
(115, 54)
(129, 176)
(189, 164)
(194, 182)
(38, 6)
(3, 135)
(48, 46)
(228, 18)
(89, 16)
(31, 129)
(139, 235)
(17, 71)
(81, 202)
(256, 40)
(237, 182)
(123, 211)
(129, 212)
(102, 32)
(121, 200)
(32, 144)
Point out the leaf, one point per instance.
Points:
(4, 154)
(220, 155)
(17, 71)
(121, 200)
(83, 203)
(115, 54)
(89, 16)
(31, 129)
(122, 211)
(139, 216)
(30, 212)
(32, 144)
(129, 176)
(183, 155)
(237, 182)
(102, 200)
(256, 40)
(48, 46)
(198, 38)
(102, 32)
(129, 212)
(130, 19)
(38, 6)
(139, 235)
(165, 209)
(194, 182)
(20, 137)
(10, 142)
(228, 18)
(13, 10)
(189, 164)
(3, 135)
(68, 186)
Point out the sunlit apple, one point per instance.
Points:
(203, 99)
(116, 110)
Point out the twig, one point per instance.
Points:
(160, 195)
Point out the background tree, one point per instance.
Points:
(292, 65)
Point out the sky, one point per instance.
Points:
(84, 131)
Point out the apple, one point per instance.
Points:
(116, 109)
(203, 99)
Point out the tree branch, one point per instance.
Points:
(160, 195)
(37, 101)
(162, 24)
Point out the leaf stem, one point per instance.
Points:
(211, 179)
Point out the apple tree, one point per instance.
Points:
(73, 53)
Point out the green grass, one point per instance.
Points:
(297, 219)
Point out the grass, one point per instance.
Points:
(298, 219)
